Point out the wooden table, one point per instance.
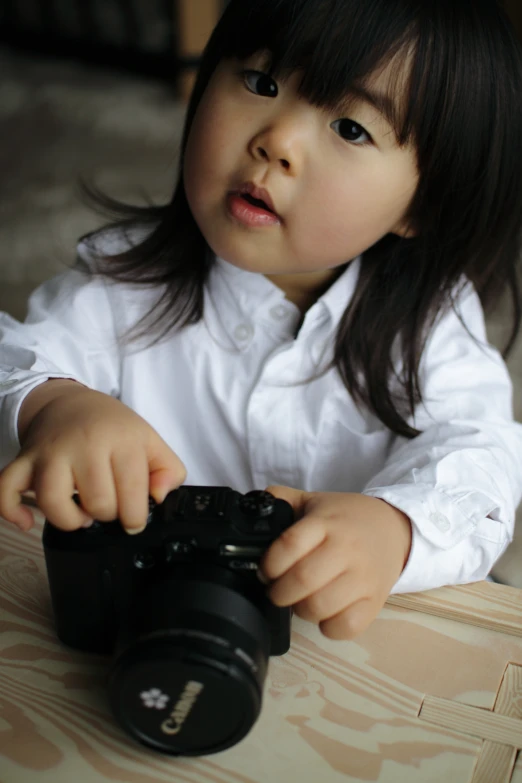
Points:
(418, 698)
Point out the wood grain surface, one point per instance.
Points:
(333, 711)
(482, 604)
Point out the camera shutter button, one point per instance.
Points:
(257, 504)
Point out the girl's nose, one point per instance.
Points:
(281, 143)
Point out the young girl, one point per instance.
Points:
(306, 313)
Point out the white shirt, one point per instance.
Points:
(231, 396)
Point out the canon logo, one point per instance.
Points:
(183, 708)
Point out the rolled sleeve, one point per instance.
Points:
(68, 333)
(460, 481)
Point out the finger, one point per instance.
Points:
(297, 498)
(54, 489)
(291, 546)
(310, 574)
(334, 597)
(166, 471)
(15, 479)
(353, 621)
(131, 479)
(94, 481)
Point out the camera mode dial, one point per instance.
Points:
(257, 503)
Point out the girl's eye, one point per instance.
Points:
(352, 131)
(260, 84)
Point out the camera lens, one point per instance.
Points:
(190, 674)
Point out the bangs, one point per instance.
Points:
(339, 45)
(449, 72)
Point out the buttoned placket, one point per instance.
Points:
(256, 316)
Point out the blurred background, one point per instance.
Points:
(90, 88)
(97, 89)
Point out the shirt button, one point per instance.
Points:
(6, 385)
(440, 521)
(279, 312)
(243, 332)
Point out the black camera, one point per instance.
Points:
(181, 609)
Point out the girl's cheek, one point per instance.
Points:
(196, 151)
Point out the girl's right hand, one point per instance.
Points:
(88, 441)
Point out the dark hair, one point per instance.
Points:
(463, 112)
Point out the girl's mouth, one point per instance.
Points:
(256, 202)
(251, 211)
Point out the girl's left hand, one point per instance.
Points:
(338, 563)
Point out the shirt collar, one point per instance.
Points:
(337, 298)
(242, 298)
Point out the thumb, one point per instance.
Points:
(297, 498)
(166, 473)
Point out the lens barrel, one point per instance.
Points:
(190, 681)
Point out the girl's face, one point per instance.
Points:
(335, 182)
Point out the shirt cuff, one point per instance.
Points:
(13, 391)
(453, 540)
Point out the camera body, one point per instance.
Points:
(182, 611)
(99, 574)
